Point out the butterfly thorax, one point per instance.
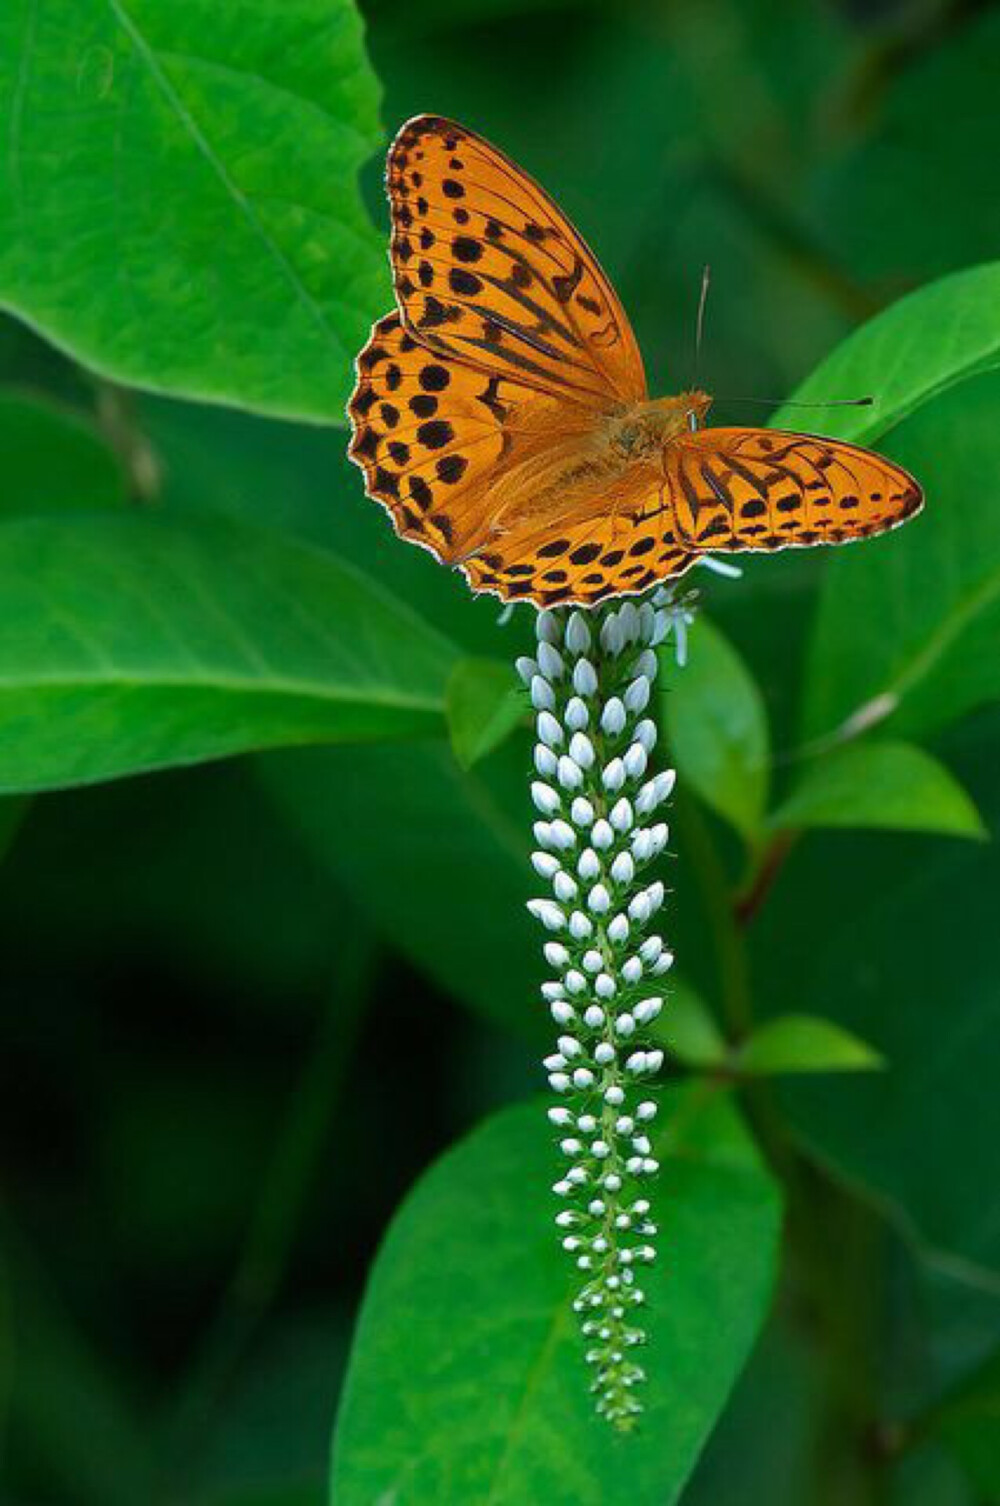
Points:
(643, 429)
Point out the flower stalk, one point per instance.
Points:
(598, 804)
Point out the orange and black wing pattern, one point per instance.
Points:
(734, 489)
(488, 269)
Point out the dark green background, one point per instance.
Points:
(245, 1004)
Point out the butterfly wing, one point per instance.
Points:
(431, 435)
(580, 561)
(488, 269)
(765, 489)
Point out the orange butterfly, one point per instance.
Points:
(501, 415)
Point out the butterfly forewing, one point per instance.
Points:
(765, 489)
(488, 269)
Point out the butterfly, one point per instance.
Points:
(501, 413)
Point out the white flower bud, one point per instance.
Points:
(631, 970)
(576, 714)
(604, 1054)
(547, 627)
(577, 634)
(550, 662)
(601, 836)
(549, 730)
(635, 761)
(599, 900)
(569, 774)
(651, 948)
(613, 776)
(592, 961)
(618, 930)
(546, 761)
(614, 1096)
(564, 887)
(604, 986)
(561, 1012)
(644, 1113)
(612, 638)
(569, 1046)
(559, 1116)
(581, 812)
(589, 865)
(625, 1026)
(613, 717)
(582, 750)
(574, 981)
(558, 1082)
(546, 799)
(585, 678)
(593, 1016)
(544, 864)
(647, 1010)
(550, 915)
(580, 926)
(526, 668)
(621, 817)
(561, 835)
(583, 1078)
(542, 695)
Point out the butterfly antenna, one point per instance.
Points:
(699, 328)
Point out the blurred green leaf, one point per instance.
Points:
(180, 207)
(802, 1043)
(687, 1029)
(130, 643)
(73, 1425)
(483, 705)
(900, 197)
(909, 625)
(880, 784)
(53, 460)
(467, 1380)
(908, 354)
(438, 858)
(888, 934)
(970, 1425)
(716, 728)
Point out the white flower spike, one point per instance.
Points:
(591, 684)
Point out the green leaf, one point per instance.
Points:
(179, 208)
(437, 857)
(802, 1043)
(53, 460)
(970, 1424)
(483, 706)
(880, 784)
(717, 729)
(467, 1381)
(909, 625)
(908, 354)
(131, 643)
(888, 934)
(687, 1029)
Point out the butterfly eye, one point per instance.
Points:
(692, 419)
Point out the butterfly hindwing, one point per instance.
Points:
(488, 269)
(430, 435)
(766, 489)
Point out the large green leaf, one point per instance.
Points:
(889, 935)
(436, 856)
(912, 621)
(716, 728)
(905, 356)
(467, 1383)
(130, 643)
(882, 784)
(179, 206)
(52, 460)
